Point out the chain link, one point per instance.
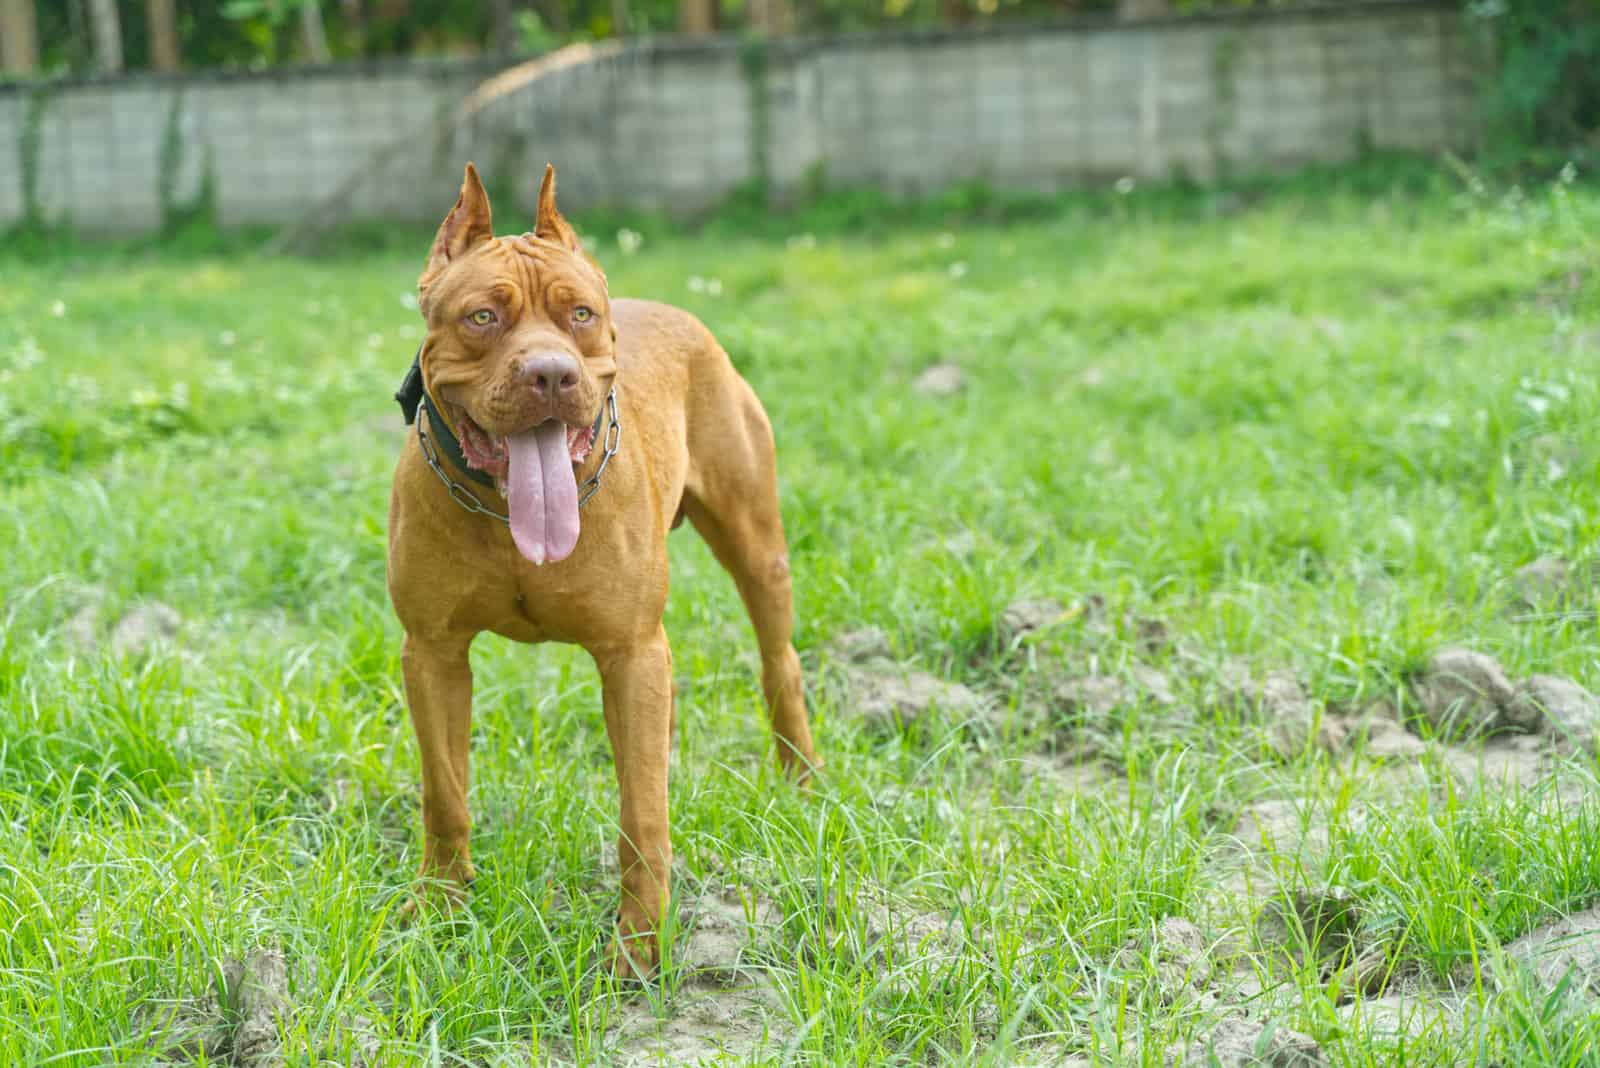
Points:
(591, 485)
(468, 500)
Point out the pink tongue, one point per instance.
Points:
(542, 493)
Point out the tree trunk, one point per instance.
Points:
(355, 26)
(697, 16)
(619, 17)
(19, 37)
(502, 32)
(162, 18)
(312, 36)
(771, 17)
(107, 35)
(1143, 9)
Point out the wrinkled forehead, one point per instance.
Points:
(525, 263)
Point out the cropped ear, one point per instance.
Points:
(467, 225)
(548, 223)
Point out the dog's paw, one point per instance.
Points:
(802, 771)
(434, 898)
(633, 956)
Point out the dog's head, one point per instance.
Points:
(520, 353)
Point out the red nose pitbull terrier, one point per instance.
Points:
(560, 437)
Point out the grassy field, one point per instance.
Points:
(1313, 430)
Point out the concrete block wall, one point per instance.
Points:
(678, 125)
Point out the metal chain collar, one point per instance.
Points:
(590, 486)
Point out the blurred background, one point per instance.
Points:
(140, 115)
(166, 35)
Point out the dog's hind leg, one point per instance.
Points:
(732, 500)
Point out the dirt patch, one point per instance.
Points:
(1023, 619)
(1283, 825)
(143, 627)
(1239, 1042)
(1386, 737)
(1176, 951)
(239, 1022)
(1516, 761)
(1464, 694)
(1544, 584)
(721, 932)
(724, 1006)
(1289, 716)
(940, 380)
(888, 697)
(1561, 708)
(860, 645)
(698, 1025)
(256, 993)
(1409, 1016)
(1071, 773)
(1095, 696)
(1566, 949)
(715, 1001)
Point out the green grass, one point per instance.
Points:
(1316, 426)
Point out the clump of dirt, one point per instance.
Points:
(721, 930)
(1564, 709)
(724, 1006)
(1386, 736)
(255, 993)
(887, 697)
(1545, 583)
(238, 1023)
(1280, 703)
(698, 1026)
(1508, 760)
(900, 931)
(1411, 1015)
(144, 626)
(1283, 825)
(1151, 636)
(1567, 949)
(1464, 694)
(1095, 696)
(1072, 773)
(1179, 953)
(941, 380)
(862, 644)
(1240, 1042)
(876, 925)
(1023, 619)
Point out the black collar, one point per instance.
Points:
(412, 394)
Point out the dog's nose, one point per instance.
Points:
(552, 373)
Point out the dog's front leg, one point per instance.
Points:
(637, 680)
(439, 692)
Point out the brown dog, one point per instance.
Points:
(549, 387)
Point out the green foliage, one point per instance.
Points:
(251, 33)
(1543, 102)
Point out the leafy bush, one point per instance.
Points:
(1543, 105)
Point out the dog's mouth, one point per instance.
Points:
(533, 470)
(491, 454)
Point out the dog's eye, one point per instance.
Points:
(581, 314)
(481, 317)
